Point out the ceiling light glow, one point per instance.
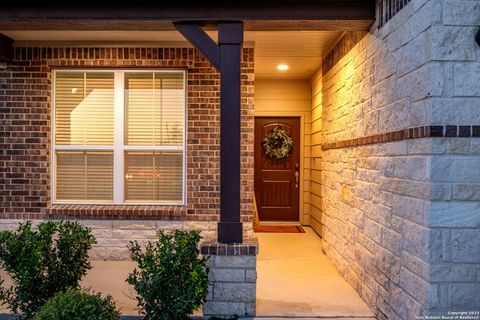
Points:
(282, 67)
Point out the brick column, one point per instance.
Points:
(233, 278)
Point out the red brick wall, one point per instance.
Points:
(25, 87)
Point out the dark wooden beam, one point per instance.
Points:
(83, 13)
(226, 57)
(167, 25)
(6, 49)
(192, 10)
(200, 40)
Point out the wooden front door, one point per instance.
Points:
(277, 182)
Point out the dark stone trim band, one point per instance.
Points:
(344, 45)
(449, 131)
(249, 247)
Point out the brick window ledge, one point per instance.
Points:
(118, 212)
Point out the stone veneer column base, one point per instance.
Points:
(232, 277)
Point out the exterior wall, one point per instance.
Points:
(25, 109)
(278, 98)
(316, 155)
(454, 212)
(399, 207)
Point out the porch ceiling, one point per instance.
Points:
(302, 51)
(293, 32)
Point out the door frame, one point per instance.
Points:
(301, 115)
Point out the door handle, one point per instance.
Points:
(297, 175)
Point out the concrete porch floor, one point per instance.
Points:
(295, 279)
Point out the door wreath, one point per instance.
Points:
(277, 144)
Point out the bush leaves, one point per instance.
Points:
(42, 262)
(171, 280)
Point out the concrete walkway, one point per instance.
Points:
(109, 277)
(295, 279)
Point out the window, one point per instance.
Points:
(119, 137)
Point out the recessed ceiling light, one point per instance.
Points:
(282, 67)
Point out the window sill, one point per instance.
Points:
(119, 212)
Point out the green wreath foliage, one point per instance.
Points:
(277, 144)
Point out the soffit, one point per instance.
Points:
(302, 51)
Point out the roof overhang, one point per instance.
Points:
(266, 15)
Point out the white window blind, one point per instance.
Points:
(84, 108)
(98, 157)
(154, 106)
(155, 176)
(84, 176)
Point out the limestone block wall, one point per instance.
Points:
(232, 279)
(454, 218)
(454, 210)
(397, 205)
(114, 235)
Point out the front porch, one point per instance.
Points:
(294, 279)
(387, 138)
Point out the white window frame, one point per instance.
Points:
(118, 148)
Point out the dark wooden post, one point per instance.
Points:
(230, 39)
(226, 57)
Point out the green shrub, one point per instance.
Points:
(171, 280)
(42, 262)
(75, 304)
